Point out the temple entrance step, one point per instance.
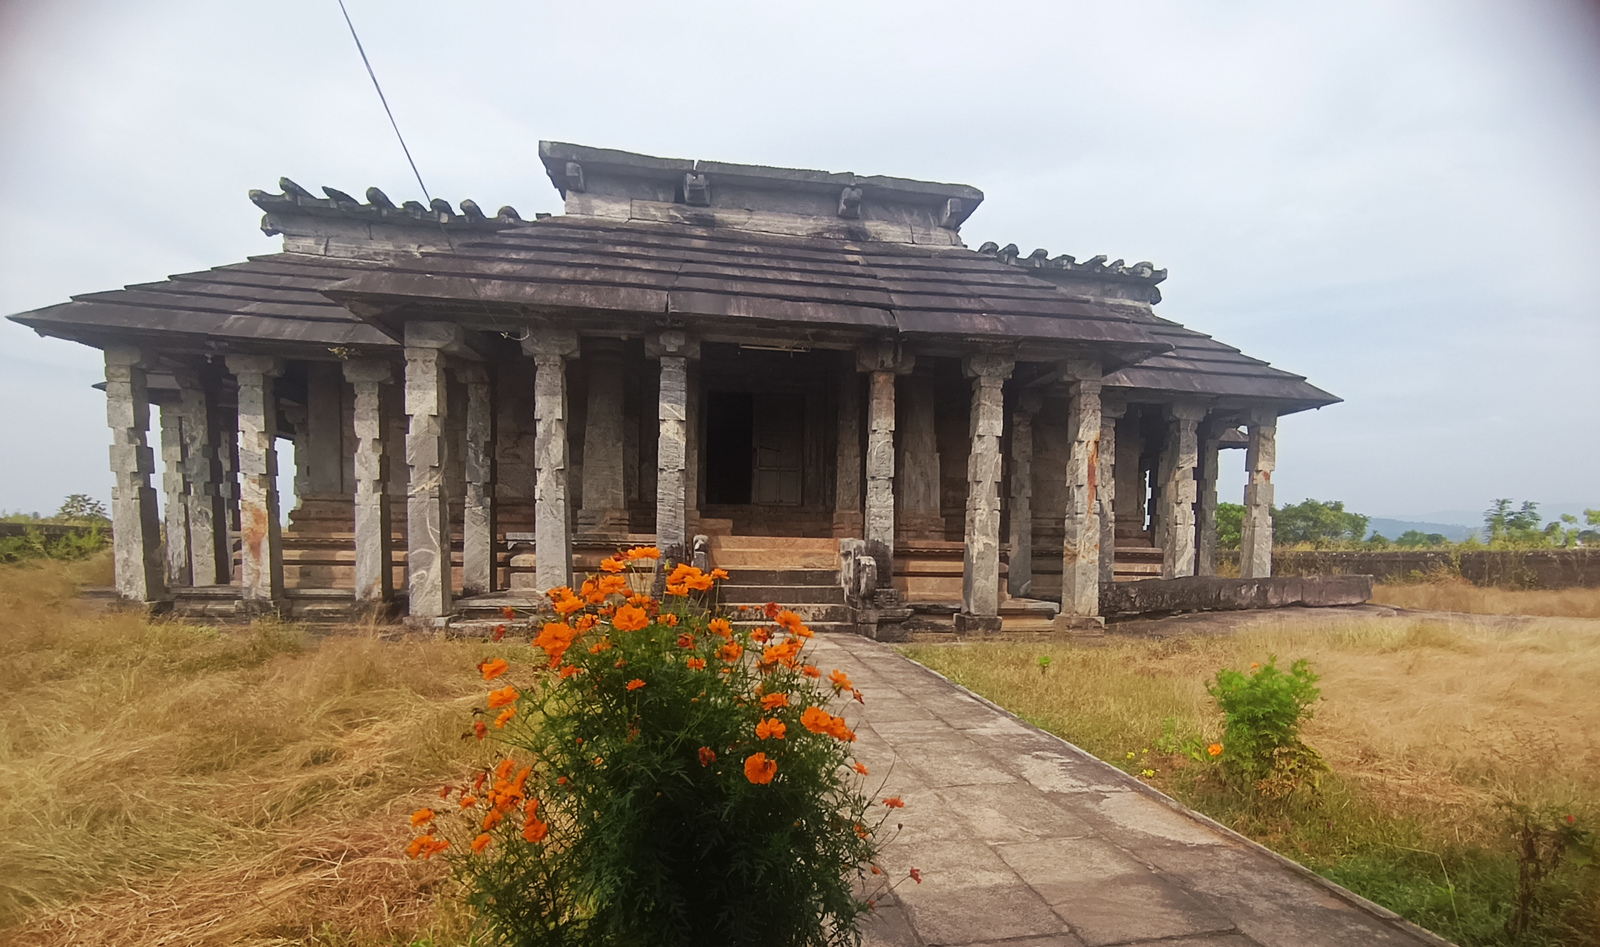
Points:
(735, 553)
(225, 603)
(1135, 561)
(799, 574)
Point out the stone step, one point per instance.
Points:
(773, 552)
(808, 613)
(782, 594)
(744, 577)
(820, 627)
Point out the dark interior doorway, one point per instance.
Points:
(730, 445)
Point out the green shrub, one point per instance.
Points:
(34, 544)
(670, 779)
(1262, 711)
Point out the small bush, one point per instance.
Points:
(1263, 710)
(34, 544)
(671, 779)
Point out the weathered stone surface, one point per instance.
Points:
(1112, 409)
(1205, 511)
(883, 362)
(135, 528)
(918, 515)
(1210, 593)
(604, 514)
(550, 350)
(210, 558)
(477, 518)
(261, 538)
(980, 576)
(1080, 561)
(374, 578)
(847, 517)
(672, 451)
(173, 484)
(1178, 460)
(1261, 459)
(1019, 577)
(428, 569)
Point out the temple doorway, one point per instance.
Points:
(754, 448)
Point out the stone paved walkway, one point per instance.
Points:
(1023, 839)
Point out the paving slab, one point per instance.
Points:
(1025, 840)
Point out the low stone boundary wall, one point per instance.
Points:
(1208, 593)
(1506, 568)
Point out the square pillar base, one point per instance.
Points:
(1078, 625)
(970, 624)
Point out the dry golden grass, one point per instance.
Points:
(171, 783)
(1429, 714)
(1459, 595)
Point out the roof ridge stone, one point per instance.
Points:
(1141, 272)
(297, 201)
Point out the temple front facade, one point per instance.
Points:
(792, 372)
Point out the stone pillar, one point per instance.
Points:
(1019, 577)
(1080, 560)
(1112, 408)
(428, 564)
(135, 527)
(605, 507)
(673, 350)
(847, 520)
(692, 458)
(477, 518)
(374, 569)
(1178, 460)
(179, 571)
(980, 574)
(1255, 547)
(552, 523)
(210, 558)
(919, 515)
(294, 415)
(883, 361)
(261, 549)
(1205, 511)
(228, 486)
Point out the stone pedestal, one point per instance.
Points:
(1112, 408)
(847, 517)
(477, 517)
(179, 568)
(980, 574)
(374, 573)
(552, 512)
(1179, 458)
(883, 362)
(1255, 547)
(604, 515)
(1080, 561)
(918, 516)
(428, 566)
(261, 539)
(1205, 511)
(135, 528)
(673, 350)
(210, 558)
(1019, 577)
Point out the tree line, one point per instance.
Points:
(1326, 524)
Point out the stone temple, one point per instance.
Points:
(807, 377)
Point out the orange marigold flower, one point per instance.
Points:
(444, 792)
(839, 680)
(621, 662)
(535, 830)
(719, 573)
(421, 816)
(481, 842)
(730, 651)
(759, 770)
(789, 620)
(761, 634)
(895, 802)
(916, 875)
(570, 670)
(612, 565)
(477, 784)
(467, 802)
(567, 606)
(503, 696)
(630, 618)
(561, 780)
(493, 669)
(839, 731)
(555, 638)
(635, 684)
(604, 644)
(480, 728)
(493, 819)
(414, 850)
(816, 719)
(773, 701)
(771, 609)
(695, 664)
(1214, 749)
(721, 627)
(859, 768)
(505, 717)
(499, 632)
(584, 622)
(771, 729)
(707, 756)
(861, 831)
(509, 612)
(810, 670)
(503, 768)
(670, 620)
(643, 552)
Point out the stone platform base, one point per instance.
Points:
(1207, 593)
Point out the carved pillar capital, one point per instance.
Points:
(885, 357)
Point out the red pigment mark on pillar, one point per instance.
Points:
(255, 530)
(1094, 470)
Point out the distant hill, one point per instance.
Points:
(1392, 529)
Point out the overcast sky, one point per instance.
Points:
(1399, 199)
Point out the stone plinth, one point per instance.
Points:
(135, 528)
(1210, 593)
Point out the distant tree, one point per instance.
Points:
(82, 508)
(1376, 541)
(1417, 539)
(1317, 522)
(1592, 535)
(1518, 527)
(1230, 525)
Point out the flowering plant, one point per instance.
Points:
(670, 778)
